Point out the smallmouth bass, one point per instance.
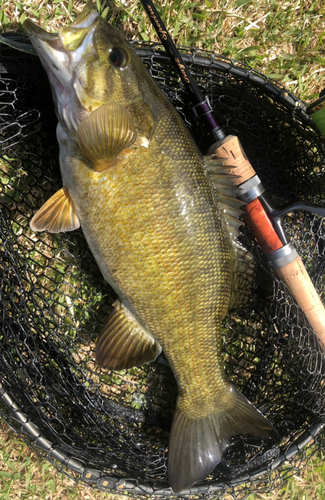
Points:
(162, 227)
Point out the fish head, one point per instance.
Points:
(89, 64)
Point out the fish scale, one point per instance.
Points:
(159, 229)
(140, 266)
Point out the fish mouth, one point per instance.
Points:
(60, 53)
(50, 50)
(84, 20)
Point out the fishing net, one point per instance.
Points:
(109, 429)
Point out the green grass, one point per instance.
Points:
(284, 40)
(26, 476)
(310, 485)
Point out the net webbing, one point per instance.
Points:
(110, 429)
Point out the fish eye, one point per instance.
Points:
(118, 57)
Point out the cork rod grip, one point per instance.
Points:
(295, 276)
(231, 150)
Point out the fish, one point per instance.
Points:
(162, 223)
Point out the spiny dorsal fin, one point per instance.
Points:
(225, 193)
(57, 215)
(123, 342)
(105, 134)
(224, 190)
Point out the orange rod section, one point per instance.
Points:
(294, 274)
(261, 225)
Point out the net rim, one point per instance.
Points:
(98, 478)
(207, 59)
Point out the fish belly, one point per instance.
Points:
(155, 232)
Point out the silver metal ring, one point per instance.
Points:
(251, 189)
(282, 256)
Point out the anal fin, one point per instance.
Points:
(57, 215)
(123, 342)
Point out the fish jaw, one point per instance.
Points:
(59, 61)
(154, 231)
(89, 64)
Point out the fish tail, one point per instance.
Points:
(196, 445)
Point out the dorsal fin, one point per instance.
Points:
(105, 134)
(225, 192)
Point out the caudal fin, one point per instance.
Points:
(196, 445)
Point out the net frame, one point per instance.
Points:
(232, 88)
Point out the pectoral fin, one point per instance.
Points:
(123, 342)
(105, 134)
(57, 215)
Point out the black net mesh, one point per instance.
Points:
(110, 429)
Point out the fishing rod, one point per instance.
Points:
(260, 216)
(263, 219)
